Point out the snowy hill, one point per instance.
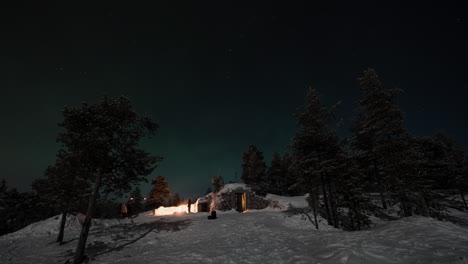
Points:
(263, 236)
(285, 202)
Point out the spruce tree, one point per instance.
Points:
(397, 163)
(276, 175)
(432, 161)
(378, 125)
(176, 199)
(159, 193)
(218, 182)
(351, 192)
(413, 185)
(10, 205)
(316, 149)
(455, 173)
(291, 186)
(18, 209)
(254, 170)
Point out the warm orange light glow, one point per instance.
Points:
(244, 203)
(181, 209)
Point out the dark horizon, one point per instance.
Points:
(217, 78)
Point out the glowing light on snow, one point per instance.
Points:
(212, 205)
(181, 209)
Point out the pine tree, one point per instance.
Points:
(103, 138)
(254, 170)
(351, 192)
(18, 210)
(414, 167)
(8, 204)
(276, 175)
(455, 171)
(378, 125)
(431, 161)
(218, 182)
(208, 191)
(159, 193)
(316, 149)
(176, 199)
(291, 186)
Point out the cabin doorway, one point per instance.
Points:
(241, 202)
(203, 207)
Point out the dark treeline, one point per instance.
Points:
(56, 194)
(380, 159)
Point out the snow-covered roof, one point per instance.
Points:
(204, 198)
(232, 187)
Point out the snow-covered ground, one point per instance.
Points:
(282, 202)
(259, 236)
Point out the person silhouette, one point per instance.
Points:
(123, 210)
(212, 216)
(189, 204)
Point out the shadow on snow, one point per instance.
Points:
(122, 236)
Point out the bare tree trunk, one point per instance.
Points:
(314, 207)
(62, 227)
(381, 187)
(325, 200)
(357, 215)
(79, 254)
(332, 204)
(382, 199)
(334, 213)
(313, 198)
(351, 218)
(463, 198)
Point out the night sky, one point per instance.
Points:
(219, 76)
